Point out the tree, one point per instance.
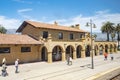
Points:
(2, 29)
(112, 35)
(95, 35)
(72, 26)
(107, 28)
(118, 32)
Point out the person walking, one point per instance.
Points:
(105, 55)
(70, 61)
(4, 70)
(4, 61)
(16, 66)
(111, 55)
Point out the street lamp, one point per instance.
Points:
(92, 25)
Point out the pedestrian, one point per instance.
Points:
(4, 61)
(16, 65)
(70, 61)
(4, 70)
(111, 55)
(105, 55)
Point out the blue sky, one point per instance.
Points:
(65, 12)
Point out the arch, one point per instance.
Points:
(57, 53)
(106, 48)
(69, 51)
(101, 49)
(87, 50)
(44, 55)
(78, 51)
(95, 49)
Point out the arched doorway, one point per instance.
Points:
(69, 51)
(78, 51)
(101, 49)
(87, 51)
(57, 53)
(106, 48)
(95, 50)
(44, 54)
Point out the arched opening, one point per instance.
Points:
(87, 51)
(69, 51)
(78, 51)
(101, 49)
(44, 54)
(106, 48)
(57, 53)
(95, 50)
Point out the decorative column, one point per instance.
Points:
(83, 47)
(97, 51)
(49, 40)
(49, 57)
(111, 50)
(63, 56)
(83, 53)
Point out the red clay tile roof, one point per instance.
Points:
(48, 26)
(17, 39)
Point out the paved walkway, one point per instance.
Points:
(80, 70)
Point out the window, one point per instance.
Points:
(81, 35)
(60, 35)
(84, 35)
(45, 34)
(25, 49)
(4, 49)
(71, 36)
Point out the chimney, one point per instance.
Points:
(77, 26)
(55, 23)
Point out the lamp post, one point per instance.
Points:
(92, 25)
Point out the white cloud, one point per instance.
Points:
(9, 23)
(23, 1)
(24, 10)
(102, 12)
(98, 19)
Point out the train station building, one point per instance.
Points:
(50, 43)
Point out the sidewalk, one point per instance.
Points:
(80, 70)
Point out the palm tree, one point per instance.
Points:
(112, 35)
(107, 28)
(95, 35)
(2, 29)
(118, 32)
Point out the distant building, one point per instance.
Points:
(50, 42)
